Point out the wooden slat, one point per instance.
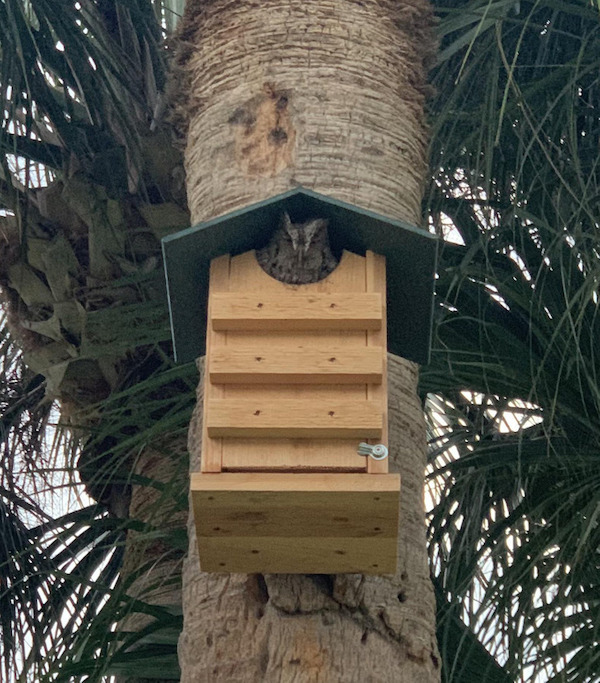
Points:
(291, 482)
(212, 449)
(267, 513)
(294, 418)
(309, 555)
(375, 269)
(296, 523)
(302, 365)
(317, 311)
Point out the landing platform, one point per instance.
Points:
(296, 523)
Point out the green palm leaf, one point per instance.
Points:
(514, 530)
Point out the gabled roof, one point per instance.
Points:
(410, 254)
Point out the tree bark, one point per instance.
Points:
(329, 95)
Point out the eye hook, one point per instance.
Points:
(376, 451)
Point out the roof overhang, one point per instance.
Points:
(410, 252)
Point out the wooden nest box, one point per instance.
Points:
(295, 387)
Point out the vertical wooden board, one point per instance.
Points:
(376, 282)
(349, 276)
(289, 339)
(212, 448)
(247, 275)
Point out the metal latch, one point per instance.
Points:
(377, 451)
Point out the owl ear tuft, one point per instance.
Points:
(287, 221)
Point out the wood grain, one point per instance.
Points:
(212, 449)
(300, 365)
(295, 366)
(265, 311)
(300, 555)
(376, 282)
(294, 418)
(299, 523)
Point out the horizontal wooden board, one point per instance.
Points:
(306, 555)
(319, 513)
(291, 482)
(317, 311)
(294, 418)
(296, 523)
(301, 365)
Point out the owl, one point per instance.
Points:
(298, 253)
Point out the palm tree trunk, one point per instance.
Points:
(329, 95)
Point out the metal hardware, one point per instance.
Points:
(377, 451)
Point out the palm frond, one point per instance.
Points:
(84, 76)
(84, 200)
(513, 534)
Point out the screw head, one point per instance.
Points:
(379, 452)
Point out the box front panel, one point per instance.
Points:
(295, 384)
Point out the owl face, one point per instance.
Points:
(303, 235)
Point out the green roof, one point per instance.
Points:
(410, 254)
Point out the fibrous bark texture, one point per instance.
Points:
(326, 94)
(311, 629)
